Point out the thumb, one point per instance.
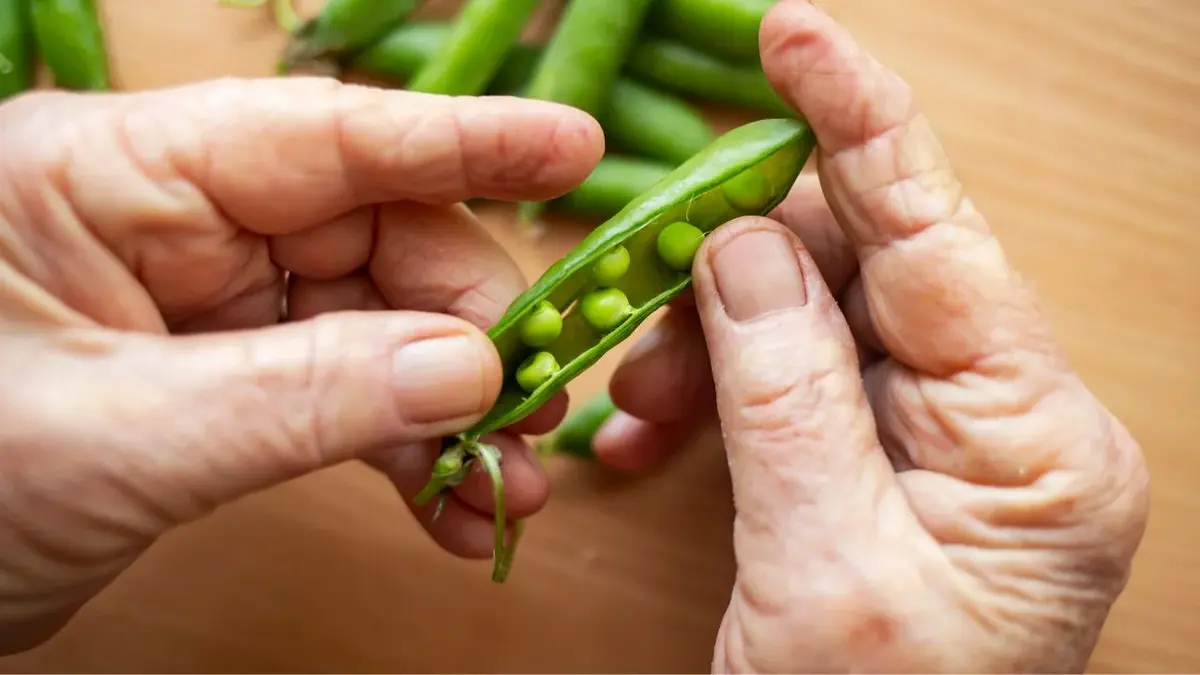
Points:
(808, 472)
(231, 413)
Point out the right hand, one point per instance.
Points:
(921, 482)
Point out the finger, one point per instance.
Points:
(440, 258)
(526, 487)
(806, 213)
(460, 529)
(634, 445)
(308, 298)
(804, 460)
(939, 290)
(665, 377)
(329, 250)
(317, 148)
(267, 405)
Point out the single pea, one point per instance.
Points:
(542, 325)
(678, 243)
(611, 266)
(536, 370)
(605, 309)
(748, 191)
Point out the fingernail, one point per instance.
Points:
(439, 379)
(757, 272)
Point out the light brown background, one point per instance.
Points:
(1074, 125)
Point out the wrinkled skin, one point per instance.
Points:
(922, 483)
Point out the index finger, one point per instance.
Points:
(282, 154)
(941, 294)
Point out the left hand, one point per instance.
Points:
(144, 241)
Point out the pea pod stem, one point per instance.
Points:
(70, 39)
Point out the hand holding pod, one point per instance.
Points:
(746, 171)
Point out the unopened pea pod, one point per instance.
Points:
(583, 60)
(343, 27)
(16, 48)
(727, 29)
(483, 33)
(574, 436)
(597, 311)
(685, 70)
(70, 39)
(638, 119)
(614, 182)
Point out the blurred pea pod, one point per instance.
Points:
(613, 183)
(685, 70)
(16, 48)
(724, 28)
(637, 119)
(482, 35)
(582, 61)
(343, 27)
(70, 40)
(575, 435)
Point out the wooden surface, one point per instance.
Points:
(1072, 123)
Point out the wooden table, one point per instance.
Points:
(1073, 122)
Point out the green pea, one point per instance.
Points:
(747, 191)
(611, 267)
(542, 326)
(604, 309)
(600, 319)
(677, 245)
(536, 370)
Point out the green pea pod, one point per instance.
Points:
(344, 27)
(583, 59)
(574, 436)
(640, 120)
(614, 182)
(727, 29)
(483, 33)
(746, 171)
(16, 48)
(690, 72)
(70, 39)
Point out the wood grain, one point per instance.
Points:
(1072, 123)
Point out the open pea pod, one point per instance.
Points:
(620, 274)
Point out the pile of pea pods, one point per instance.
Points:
(667, 180)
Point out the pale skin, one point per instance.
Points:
(922, 483)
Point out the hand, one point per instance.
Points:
(144, 240)
(922, 483)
